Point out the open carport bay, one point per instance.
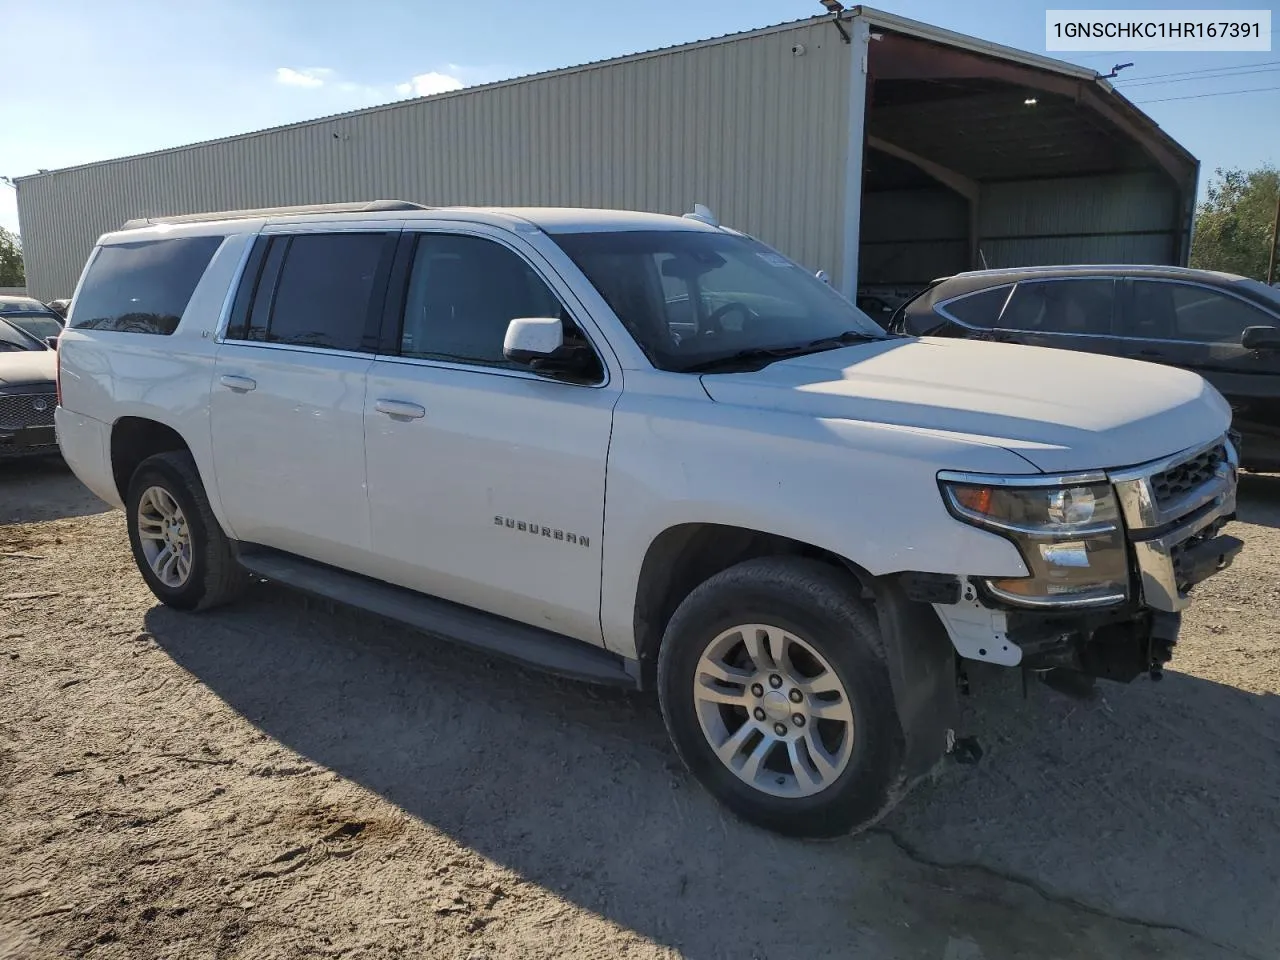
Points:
(283, 779)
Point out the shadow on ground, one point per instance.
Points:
(1259, 500)
(43, 488)
(1148, 805)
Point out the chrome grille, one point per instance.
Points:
(19, 410)
(1176, 482)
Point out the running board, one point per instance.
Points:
(510, 639)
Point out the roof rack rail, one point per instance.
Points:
(358, 206)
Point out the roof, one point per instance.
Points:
(976, 280)
(875, 18)
(1136, 269)
(10, 304)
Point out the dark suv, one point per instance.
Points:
(1225, 328)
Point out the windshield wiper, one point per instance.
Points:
(755, 355)
(748, 358)
(846, 338)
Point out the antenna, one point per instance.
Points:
(703, 214)
(1115, 70)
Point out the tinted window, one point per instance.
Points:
(978, 309)
(463, 292)
(265, 291)
(1182, 311)
(324, 291)
(142, 287)
(1061, 306)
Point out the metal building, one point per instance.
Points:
(880, 149)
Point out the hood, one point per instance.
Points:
(28, 366)
(1062, 411)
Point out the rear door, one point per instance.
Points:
(287, 398)
(1068, 313)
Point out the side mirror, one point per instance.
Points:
(1260, 338)
(538, 343)
(532, 338)
(824, 277)
(51, 342)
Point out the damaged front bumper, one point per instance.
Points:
(1174, 511)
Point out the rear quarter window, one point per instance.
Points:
(980, 309)
(142, 287)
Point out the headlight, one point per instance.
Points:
(1069, 535)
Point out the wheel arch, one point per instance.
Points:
(133, 440)
(685, 555)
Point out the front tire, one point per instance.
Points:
(179, 547)
(775, 692)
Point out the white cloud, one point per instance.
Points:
(311, 77)
(425, 84)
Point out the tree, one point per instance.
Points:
(1233, 225)
(11, 270)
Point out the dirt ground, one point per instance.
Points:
(285, 779)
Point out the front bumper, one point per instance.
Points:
(1174, 510)
(26, 420)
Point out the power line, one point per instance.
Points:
(1218, 76)
(1222, 71)
(1201, 96)
(1159, 47)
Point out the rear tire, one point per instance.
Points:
(820, 692)
(179, 547)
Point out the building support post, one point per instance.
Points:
(859, 54)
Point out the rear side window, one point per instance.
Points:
(317, 290)
(142, 287)
(1079, 307)
(978, 309)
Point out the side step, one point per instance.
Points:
(532, 646)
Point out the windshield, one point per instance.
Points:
(12, 339)
(691, 297)
(39, 325)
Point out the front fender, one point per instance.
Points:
(864, 492)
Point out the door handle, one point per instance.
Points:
(400, 409)
(242, 384)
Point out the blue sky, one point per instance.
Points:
(87, 80)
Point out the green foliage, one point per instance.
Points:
(12, 273)
(1233, 225)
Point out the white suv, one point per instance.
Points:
(642, 450)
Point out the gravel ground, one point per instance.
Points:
(286, 779)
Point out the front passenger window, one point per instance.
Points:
(463, 293)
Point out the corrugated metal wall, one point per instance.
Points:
(1122, 218)
(742, 125)
(909, 237)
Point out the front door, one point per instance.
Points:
(1198, 328)
(287, 400)
(486, 481)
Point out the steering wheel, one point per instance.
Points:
(714, 323)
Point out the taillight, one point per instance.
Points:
(57, 377)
